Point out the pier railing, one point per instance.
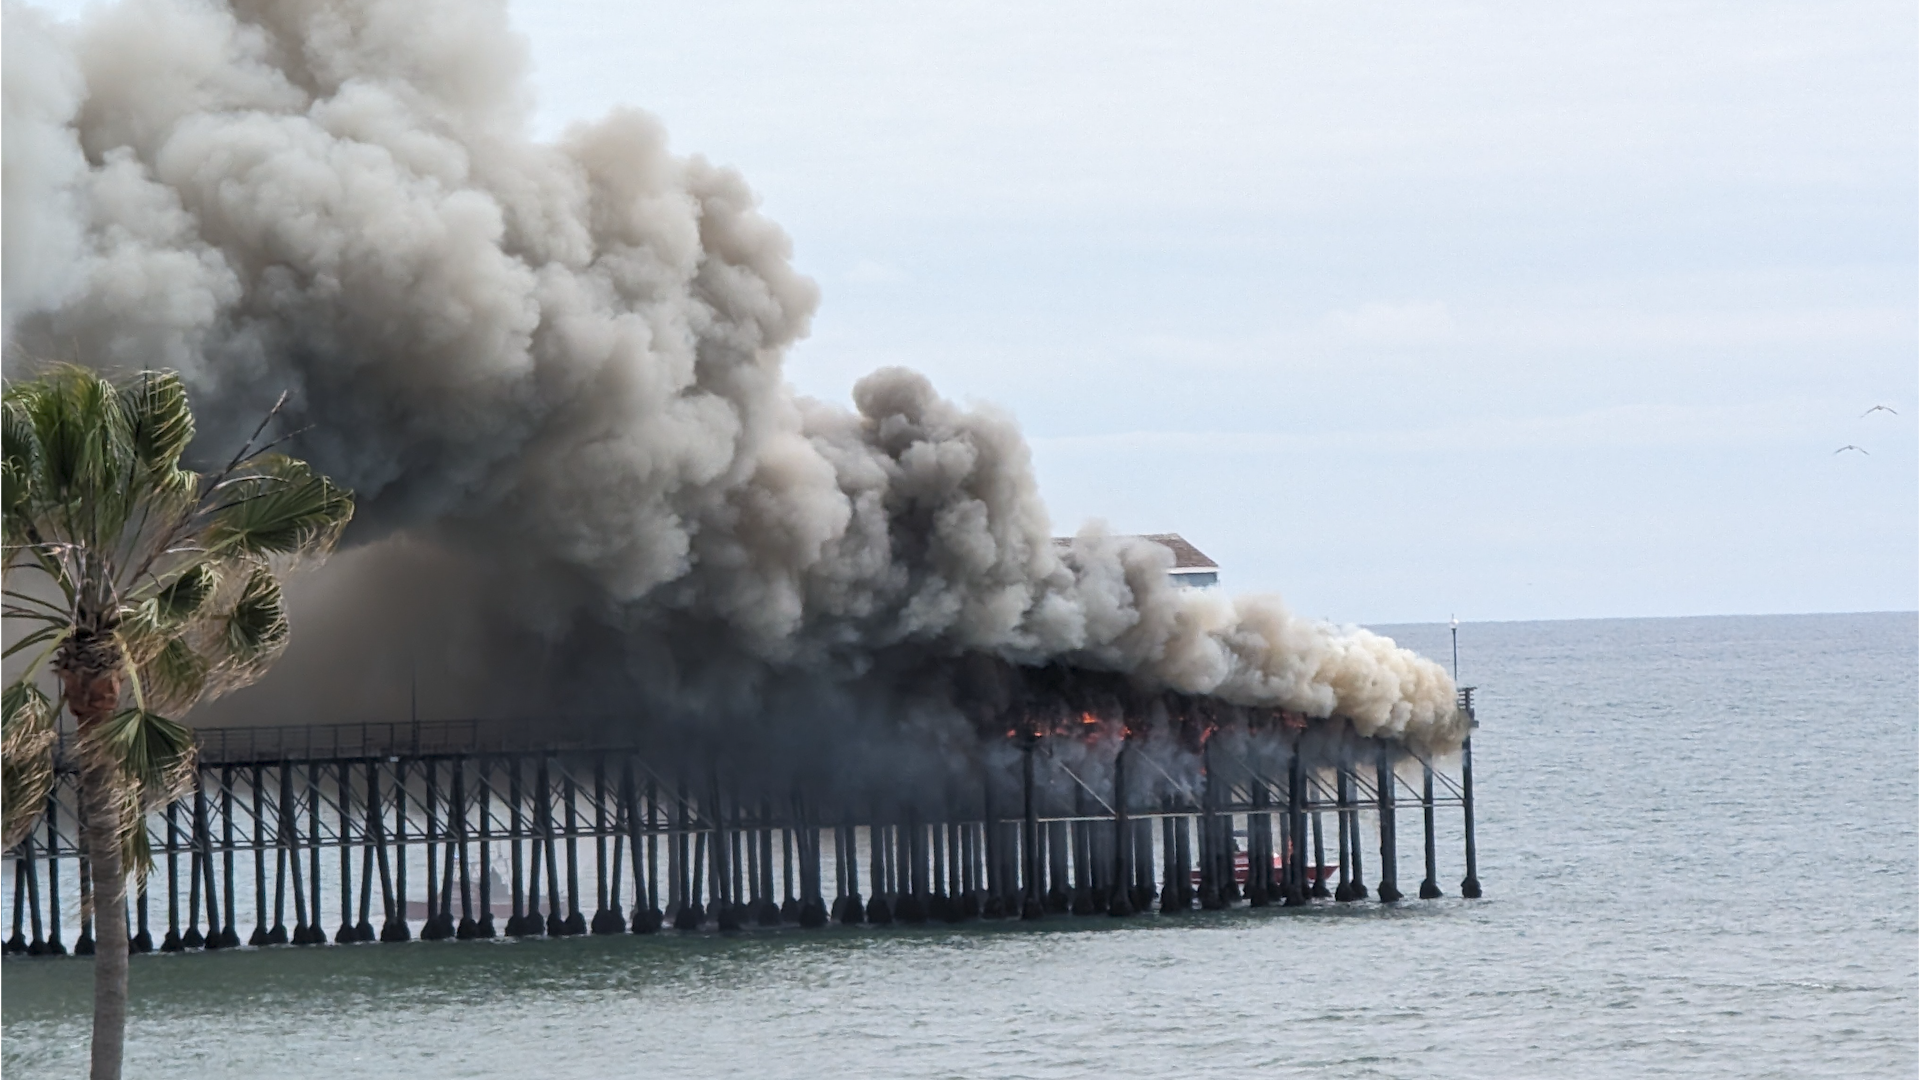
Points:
(382, 739)
(369, 740)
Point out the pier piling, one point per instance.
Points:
(1072, 843)
(1388, 890)
(1429, 885)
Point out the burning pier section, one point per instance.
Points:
(470, 830)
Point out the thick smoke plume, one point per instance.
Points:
(552, 373)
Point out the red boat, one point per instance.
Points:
(1319, 873)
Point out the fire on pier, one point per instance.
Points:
(1078, 799)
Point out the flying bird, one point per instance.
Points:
(1848, 447)
(1881, 408)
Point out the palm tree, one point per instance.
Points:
(142, 587)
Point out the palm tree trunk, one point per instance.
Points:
(104, 827)
(90, 669)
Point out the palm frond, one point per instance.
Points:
(183, 597)
(136, 853)
(155, 755)
(257, 626)
(158, 420)
(174, 676)
(153, 758)
(282, 508)
(26, 759)
(80, 431)
(19, 451)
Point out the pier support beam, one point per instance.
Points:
(1120, 904)
(550, 850)
(1261, 887)
(316, 934)
(1183, 836)
(229, 937)
(199, 874)
(1470, 886)
(17, 942)
(172, 942)
(1430, 885)
(912, 907)
(37, 946)
(1213, 894)
(290, 849)
(516, 851)
(393, 878)
(1030, 870)
(1357, 881)
(1342, 795)
(576, 921)
(855, 910)
(686, 912)
(467, 929)
(605, 919)
(770, 914)
(484, 929)
(1388, 890)
(259, 935)
(1296, 828)
(650, 920)
(142, 940)
(879, 911)
(1319, 888)
(646, 918)
(813, 906)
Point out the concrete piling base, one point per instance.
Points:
(813, 914)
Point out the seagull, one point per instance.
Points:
(1848, 447)
(1880, 408)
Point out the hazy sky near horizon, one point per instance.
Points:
(1500, 309)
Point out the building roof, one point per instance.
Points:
(1185, 555)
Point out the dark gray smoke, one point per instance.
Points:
(552, 373)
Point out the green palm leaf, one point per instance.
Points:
(155, 758)
(26, 759)
(152, 625)
(284, 508)
(19, 452)
(183, 597)
(155, 754)
(159, 423)
(81, 433)
(174, 677)
(257, 627)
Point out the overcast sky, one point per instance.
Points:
(1510, 310)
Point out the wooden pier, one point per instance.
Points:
(470, 830)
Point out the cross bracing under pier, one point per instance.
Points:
(460, 830)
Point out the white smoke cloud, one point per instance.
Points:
(552, 373)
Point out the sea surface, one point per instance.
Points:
(1697, 840)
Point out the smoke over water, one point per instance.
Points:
(552, 374)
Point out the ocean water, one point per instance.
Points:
(1697, 839)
